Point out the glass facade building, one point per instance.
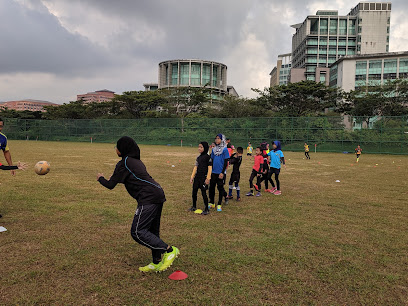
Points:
(353, 72)
(325, 37)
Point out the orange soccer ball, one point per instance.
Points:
(42, 167)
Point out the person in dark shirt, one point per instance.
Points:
(235, 160)
(150, 197)
(200, 178)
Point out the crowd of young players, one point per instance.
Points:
(209, 172)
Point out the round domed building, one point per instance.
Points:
(194, 73)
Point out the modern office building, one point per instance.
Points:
(98, 96)
(151, 86)
(194, 73)
(281, 72)
(351, 72)
(325, 37)
(27, 104)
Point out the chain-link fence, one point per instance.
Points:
(330, 134)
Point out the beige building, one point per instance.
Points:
(98, 96)
(27, 104)
(321, 39)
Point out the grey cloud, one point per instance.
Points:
(35, 41)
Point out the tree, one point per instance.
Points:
(139, 103)
(389, 99)
(298, 99)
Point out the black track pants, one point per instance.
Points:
(146, 229)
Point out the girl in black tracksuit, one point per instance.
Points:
(201, 176)
(149, 195)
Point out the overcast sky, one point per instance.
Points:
(55, 49)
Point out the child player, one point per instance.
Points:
(265, 150)
(277, 158)
(358, 151)
(149, 195)
(200, 178)
(257, 170)
(219, 157)
(235, 160)
(307, 151)
(249, 149)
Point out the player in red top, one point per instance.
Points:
(256, 171)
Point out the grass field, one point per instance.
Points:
(321, 242)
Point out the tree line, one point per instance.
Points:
(301, 99)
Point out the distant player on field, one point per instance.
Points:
(306, 146)
(149, 195)
(358, 151)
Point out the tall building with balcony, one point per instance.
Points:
(325, 37)
(281, 72)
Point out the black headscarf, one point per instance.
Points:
(128, 147)
(205, 146)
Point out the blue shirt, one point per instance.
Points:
(3, 142)
(218, 161)
(275, 158)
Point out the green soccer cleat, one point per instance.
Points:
(168, 259)
(151, 267)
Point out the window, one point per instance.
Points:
(322, 77)
(343, 27)
(387, 48)
(215, 76)
(195, 74)
(388, 30)
(333, 27)
(323, 26)
(184, 73)
(359, 29)
(352, 27)
(174, 74)
(206, 74)
(361, 67)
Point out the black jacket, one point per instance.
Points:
(133, 174)
(202, 163)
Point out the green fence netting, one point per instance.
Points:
(330, 134)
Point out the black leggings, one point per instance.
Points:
(254, 174)
(272, 171)
(199, 183)
(146, 229)
(216, 181)
(307, 155)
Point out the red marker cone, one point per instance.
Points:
(178, 275)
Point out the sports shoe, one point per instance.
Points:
(211, 205)
(272, 190)
(229, 197)
(277, 192)
(205, 212)
(258, 194)
(267, 190)
(219, 208)
(256, 187)
(226, 201)
(168, 259)
(151, 267)
(192, 208)
(250, 194)
(238, 199)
